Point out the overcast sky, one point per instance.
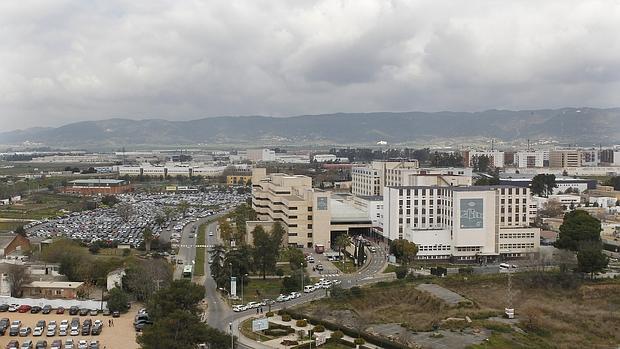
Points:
(63, 61)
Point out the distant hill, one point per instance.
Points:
(572, 125)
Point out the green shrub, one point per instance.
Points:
(301, 323)
(356, 291)
(401, 272)
(337, 334)
(359, 341)
(286, 318)
(281, 312)
(269, 314)
(319, 328)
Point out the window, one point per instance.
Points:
(309, 226)
(309, 218)
(58, 292)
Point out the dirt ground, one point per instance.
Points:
(121, 336)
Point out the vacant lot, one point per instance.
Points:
(42, 205)
(122, 335)
(553, 310)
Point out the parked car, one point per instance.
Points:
(56, 344)
(13, 307)
(106, 312)
(69, 344)
(60, 310)
(41, 344)
(27, 344)
(13, 344)
(82, 344)
(74, 310)
(116, 313)
(84, 311)
(24, 308)
(25, 331)
(4, 324)
(93, 345)
(4, 307)
(94, 312)
(38, 331)
(15, 325)
(46, 309)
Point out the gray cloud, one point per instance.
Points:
(70, 60)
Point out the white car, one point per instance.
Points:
(281, 298)
(295, 294)
(69, 344)
(309, 288)
(82, 344)
(37, 332)
(252, 305)
(240, 307)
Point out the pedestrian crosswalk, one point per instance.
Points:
(190, 246)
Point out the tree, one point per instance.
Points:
(404, 250)
(183, 207)
(578, 228)
(20, 231)
(401, 272)
(481, 163)
(296, 258)
(267, 246)
(226, 231)
(125, 211)
(614, 182)
(17, 277)
(147, 233)
(109, 200)
(543, 184)
(160, 220)
(117, 300)
(591, 259)
(176, 324)
(551, 208)
(144, 277)
(342, 242)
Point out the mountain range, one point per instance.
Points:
(569, 125)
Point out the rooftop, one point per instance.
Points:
(55, 284)
(97, 181)
(342, 212)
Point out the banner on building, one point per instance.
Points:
(233, 286)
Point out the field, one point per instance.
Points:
(346, 265)
(553, 310)
(41, 205)
(259, 289)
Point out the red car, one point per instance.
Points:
(60, 310)
(24, 308)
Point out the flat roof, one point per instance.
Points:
(97, 181)
(342, 212)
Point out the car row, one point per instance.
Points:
(264, 302)
(52, 328)
(55, 344)
(322, 284)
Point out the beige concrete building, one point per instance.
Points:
(309, 215)
(565, 158)
(369, 180)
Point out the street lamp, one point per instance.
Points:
(232, 338)
(242, 276)
(302, 276)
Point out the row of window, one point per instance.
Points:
(516, 236)
(522, 245)
(468, 249)
(434, 248)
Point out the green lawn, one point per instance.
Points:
(42, 205)
(199, 268)
(346, 265)
(391, 268)
(258, 289)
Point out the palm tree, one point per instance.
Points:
(147, 233)
(342, 242)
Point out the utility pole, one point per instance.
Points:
(232, 338)
(302, 277)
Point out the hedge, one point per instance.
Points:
(378, 341)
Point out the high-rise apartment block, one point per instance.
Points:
(565, 158)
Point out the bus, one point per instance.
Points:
(187, 271)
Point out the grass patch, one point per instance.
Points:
(391, 268)
(346, 266)
(258, 289)
(199, 269)
(42, 205)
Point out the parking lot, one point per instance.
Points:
(105, 224)
(121, 335)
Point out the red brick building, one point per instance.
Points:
(10, 243)
(98, 186)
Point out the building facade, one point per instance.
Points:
(462, 223)
(98, 187)
(529, 159)
(565, 158)
(369, 180)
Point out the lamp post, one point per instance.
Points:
(242, 276)
(232, 338)
(302, 276)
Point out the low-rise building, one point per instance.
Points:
(10, 243)
(52, 289)
(97, 186)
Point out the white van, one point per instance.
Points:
(308, 289)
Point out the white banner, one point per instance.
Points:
(260, 324)
(321, 338)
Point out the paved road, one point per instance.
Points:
(187, 248)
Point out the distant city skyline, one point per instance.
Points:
(68, 61)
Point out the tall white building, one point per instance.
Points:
(529, 159)
(369, 180)
(462, 223)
